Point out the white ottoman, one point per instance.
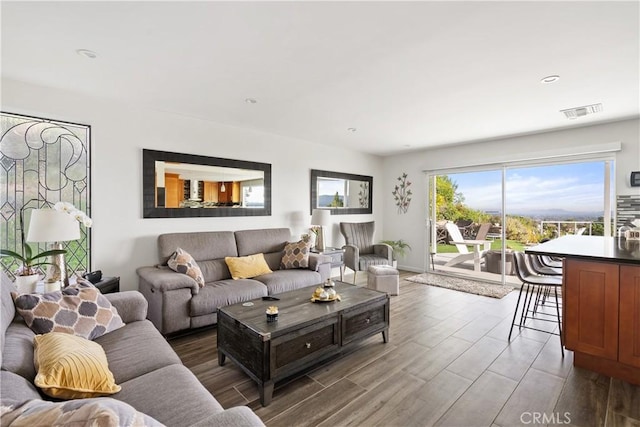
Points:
(383, 278)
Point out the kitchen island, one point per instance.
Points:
(600, 302)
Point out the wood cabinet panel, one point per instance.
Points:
(630, 315)
(210, 191)
(174, 193)
(290, 352)
(590, 300)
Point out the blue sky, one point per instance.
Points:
(576, 187)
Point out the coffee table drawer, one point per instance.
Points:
(364, 321)
(310, 343)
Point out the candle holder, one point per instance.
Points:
(272, 314)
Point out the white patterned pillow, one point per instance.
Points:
(99, 411)
(181, 262)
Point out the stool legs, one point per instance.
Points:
(538, 295)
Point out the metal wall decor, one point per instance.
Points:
(42, 161)
(402, 194)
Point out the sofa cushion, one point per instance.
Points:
(100, 411)
(79, 309)
(225, 292)
(184, 263)
(71, 367)
(288, 280)
(18, 350)
(136, 349)
(246, 267)
(171, 395)
(16, 388)
(295, 255)
(262, 241)
(214, 269)
(201, 245)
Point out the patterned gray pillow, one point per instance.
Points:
(184, 263)
(296, 255)
(79, 309)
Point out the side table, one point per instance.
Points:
(337, 257)
(108, 285)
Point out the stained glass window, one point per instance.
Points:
(43, 162)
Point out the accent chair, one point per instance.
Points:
(360, 252)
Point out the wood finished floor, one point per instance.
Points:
(448, 363)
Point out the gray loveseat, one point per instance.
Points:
(176, 302)
(152, 377)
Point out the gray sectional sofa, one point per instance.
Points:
(152, 377)
(177, 303)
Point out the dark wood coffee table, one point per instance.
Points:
(305, 334)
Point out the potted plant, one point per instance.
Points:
(27, 276)
(400, 249)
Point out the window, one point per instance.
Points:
(43, 161)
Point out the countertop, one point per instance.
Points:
(596, 248)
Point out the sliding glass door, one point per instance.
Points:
(478, 218)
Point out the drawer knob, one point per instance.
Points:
(308, 345)
(368, 320)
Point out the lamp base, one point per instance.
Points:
(320, 246)
(58, 269)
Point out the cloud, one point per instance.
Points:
(536, 193)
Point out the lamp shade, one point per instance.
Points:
(321, 217)
(49, 225)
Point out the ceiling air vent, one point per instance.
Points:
(574, 113)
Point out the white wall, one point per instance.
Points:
(411, 226)
(122, 239)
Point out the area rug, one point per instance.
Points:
(462, 285)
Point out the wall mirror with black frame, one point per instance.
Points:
(177, 185)
(341, 193)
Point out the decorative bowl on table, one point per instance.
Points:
(325, 295)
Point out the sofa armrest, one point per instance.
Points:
(232, 417)
(351, 256)
(316, 261)
(162, 279)
(384, 250)
(131, 305)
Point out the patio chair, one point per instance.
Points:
(465, 227)
(360, 252)
(483, 230)
(479, 247)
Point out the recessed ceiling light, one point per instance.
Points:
(87, 53)
(550, 79)
(250, 101)
(352, 129)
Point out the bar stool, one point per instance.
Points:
(540, 285)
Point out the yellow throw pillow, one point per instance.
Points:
(246, 267)
(71, 367)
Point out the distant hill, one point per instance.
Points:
(325, 200)
(559, 214)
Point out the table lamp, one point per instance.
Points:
(49, 225)
(321, 218)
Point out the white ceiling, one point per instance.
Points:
(407, 75)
